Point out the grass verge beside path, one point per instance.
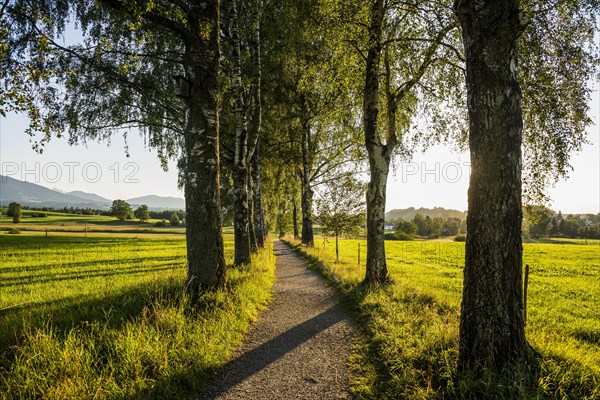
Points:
(108, 318)
(409, 342)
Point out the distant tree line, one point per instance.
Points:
(68, 210)
(123, 212)
(166, 214)
(540, 222)
(425, 226)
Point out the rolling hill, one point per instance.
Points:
(90, 197)
(409, 213)
(159, 202)
(33, 195)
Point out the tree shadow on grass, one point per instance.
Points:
(30, 271)
(537, 375)
(62, 315)
(98, 272)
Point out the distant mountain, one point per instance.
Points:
(159, 202)
(90, 197)
(437, 212)
(31, 194)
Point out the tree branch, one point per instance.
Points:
(428, 59)
(182, 5)
(447, 45)
(4, 4)
(354, 44)
(154, 17)
(156, 56)
(132, 123)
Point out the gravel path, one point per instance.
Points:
(298, 348)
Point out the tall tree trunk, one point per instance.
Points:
(206, 261)
(259, 226)
(251, 227)
(241, 228)
(256, 229)
(307, 192)
(491, 325)
(241, 221)
(379, 154)
(376, 271)
(295, 218)
(308, 238)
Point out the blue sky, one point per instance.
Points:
(436, 178)
(95, 167)
(423, 184)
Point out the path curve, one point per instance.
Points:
(298, 348)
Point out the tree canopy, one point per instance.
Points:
(325, 87)
(269, 105)
(142, 213)
(121, 210)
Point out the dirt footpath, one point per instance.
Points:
(298, 348)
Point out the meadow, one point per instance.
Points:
(69, 224)
(101, 316)
(409, 342)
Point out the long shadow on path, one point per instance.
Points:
(251, 362)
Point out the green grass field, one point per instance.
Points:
(107, 317)
(92, 224)
(410, 341)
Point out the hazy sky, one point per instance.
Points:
(437, 178)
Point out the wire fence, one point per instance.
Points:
(451, 254)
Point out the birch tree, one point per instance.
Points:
(242, 144)
(492, 326)
(391, 27)
(244, 27)
(559, 46)
(121, 76)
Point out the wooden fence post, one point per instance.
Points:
(525, 285)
